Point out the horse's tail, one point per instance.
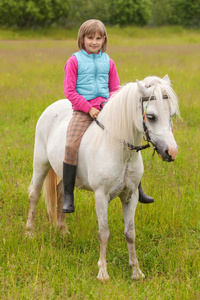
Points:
(51, 194)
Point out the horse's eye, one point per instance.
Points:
(151, 117)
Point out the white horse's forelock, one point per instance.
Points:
(162, 87)
(123, 110)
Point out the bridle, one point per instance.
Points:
(150, 143)
(147, 136)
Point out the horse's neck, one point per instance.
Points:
(104, 140)
(120, 119)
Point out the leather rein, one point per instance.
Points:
(150, 143)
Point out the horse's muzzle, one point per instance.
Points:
(166, 153)
(166, 157)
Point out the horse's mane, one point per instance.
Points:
(123, 110)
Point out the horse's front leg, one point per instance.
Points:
(129, 207)
(102, 215)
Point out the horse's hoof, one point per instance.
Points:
(29, 233)
(137, 275)
(64, 230)
(103, 276)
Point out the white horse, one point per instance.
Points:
(107, 163)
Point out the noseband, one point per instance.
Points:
(150, 143)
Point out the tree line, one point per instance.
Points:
(71, 13)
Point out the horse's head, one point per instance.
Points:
(159, 104)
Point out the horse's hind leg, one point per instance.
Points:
(40, 170)
(60, 215)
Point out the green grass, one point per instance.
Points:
(51, 266)
(129, 35)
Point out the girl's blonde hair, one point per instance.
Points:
(90, 28)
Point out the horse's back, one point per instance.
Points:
(51, 133)
(57, 111)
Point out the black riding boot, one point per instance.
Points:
(143, 198)
(69, 175)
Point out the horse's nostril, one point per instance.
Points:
(168, 156)
(166, 152)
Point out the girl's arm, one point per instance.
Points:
(113, 83)
(70, 79)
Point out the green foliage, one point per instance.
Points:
(111, 12)
(162, 11)
(130, 12)
(181, 12)
(82, 10)
(71, 13)
(189, 12)
(32, 13)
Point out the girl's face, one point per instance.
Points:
(93, 44)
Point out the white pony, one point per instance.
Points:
(108, 163)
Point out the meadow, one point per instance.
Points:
(52, 266)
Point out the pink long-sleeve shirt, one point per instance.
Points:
(78, 101)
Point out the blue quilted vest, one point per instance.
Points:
(93, 74)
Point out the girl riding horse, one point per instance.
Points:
(90, 79)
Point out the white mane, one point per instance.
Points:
(122, 115)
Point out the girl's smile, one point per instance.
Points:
(93, 44)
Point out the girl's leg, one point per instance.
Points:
(77, 127)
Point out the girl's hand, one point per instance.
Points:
(94, 112)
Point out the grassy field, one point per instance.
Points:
(53, 266)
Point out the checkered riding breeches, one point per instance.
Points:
(77, 127)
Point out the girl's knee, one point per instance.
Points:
(70, 155)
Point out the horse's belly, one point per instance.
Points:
(116, 191)
(125, 187)
(82, 184)
(102, 168)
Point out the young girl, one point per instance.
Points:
(90, 78)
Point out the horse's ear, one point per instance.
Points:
(142, 89)
(166, 78)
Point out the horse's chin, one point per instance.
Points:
(166, 158)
